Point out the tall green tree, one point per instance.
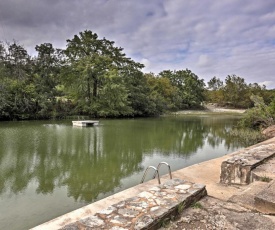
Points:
(215, 84)
(16, 82)
(214, 92)
(18, 61)
(139, 95)
(113, 97)
(89, 60)
(236, 92)
(191, 88)
(165, 95)
(5, 99)
(47, 66)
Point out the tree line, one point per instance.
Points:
(93, 77)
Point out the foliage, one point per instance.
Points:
(247, 136)
(93, 77)
(235, 87)
(140, 94)
(214, 94)
(181, 207)
(197, 205)
(163, 93)
(17, 89)
(190, 89)
(260, 116)
(235, 92)
(114, 89)
(164, 223)
(46, 78)
(89, 61)
(265, 179)
(29, 84)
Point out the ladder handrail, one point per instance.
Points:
(145, 173)
(169, 168)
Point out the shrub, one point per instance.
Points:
(260, 116)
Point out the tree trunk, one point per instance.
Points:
(89, 91)
(95, 89)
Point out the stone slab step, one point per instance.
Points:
(265, 200)
(147, 210)
(264, 172)
(246, 196)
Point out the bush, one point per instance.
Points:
(247, 136)
(260, 116)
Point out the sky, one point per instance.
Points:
(209, 37)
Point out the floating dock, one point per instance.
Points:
(85, 123)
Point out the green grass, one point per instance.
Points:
(247, 136)
(197, 205)
(266, 179)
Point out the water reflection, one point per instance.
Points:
(91, 161)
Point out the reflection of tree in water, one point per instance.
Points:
(15, 162)
(92, 161)
(218, 133)
(176, 136)
(86, 171)
(75, 159)
(98, 172)
(183, 136)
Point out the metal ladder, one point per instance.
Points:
(156, 171)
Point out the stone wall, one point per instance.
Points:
(237, 169)
(146, 210)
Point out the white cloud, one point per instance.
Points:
(204, 60)
(267, 84)
(211, 38)
(147, 63)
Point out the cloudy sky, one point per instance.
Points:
(209, 37)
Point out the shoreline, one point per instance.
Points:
(210, 109)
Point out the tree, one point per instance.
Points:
(5, 99)
(214, 93)
(166, 96)
(113, 97)
(236, 92)
(215, 84)
(191, 88)
(193, 93)
(47, 66)
(139, 96)
(16, 82)
(89, 60)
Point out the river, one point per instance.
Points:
(48, 168)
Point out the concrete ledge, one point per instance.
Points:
(237, 169)
(146, 210)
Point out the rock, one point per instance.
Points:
(269, 132)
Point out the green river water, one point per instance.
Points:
(48, 168)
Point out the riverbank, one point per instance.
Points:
(212, 212)
(210, 108)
